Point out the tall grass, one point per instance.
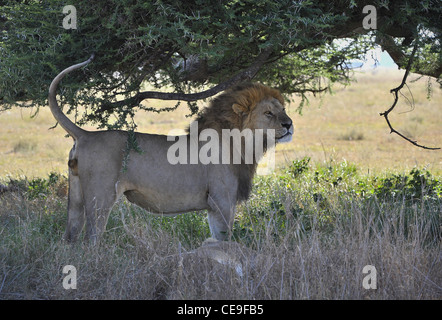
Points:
(306, 233)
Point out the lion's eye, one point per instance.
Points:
(268, 113)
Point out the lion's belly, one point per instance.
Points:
(156, 203)
(158, 186)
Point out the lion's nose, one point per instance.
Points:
(287, 124)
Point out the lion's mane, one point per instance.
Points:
(220, 115)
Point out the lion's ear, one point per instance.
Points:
(239, 109)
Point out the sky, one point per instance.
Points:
(383, 61)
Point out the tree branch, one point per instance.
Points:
(245, 75)
(395, 91)
(388, 44)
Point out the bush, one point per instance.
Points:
(39, 188)
(417, 185)
(298, 167)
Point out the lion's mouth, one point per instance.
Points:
(287, 137)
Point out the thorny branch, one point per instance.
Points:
(245, 75)
(395, 91)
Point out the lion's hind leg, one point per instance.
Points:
(75, 209)
(100, 195)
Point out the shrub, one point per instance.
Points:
(298, 167)
(417, 185)
(40, 188)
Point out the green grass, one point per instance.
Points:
(310, 227)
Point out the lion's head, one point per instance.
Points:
(248, 106)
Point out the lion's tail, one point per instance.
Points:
(64, 121)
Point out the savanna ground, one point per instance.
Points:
(346, 194)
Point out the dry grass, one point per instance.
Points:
(313, 247)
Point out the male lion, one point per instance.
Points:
(97, 180)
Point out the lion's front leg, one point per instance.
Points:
(220, 228)
(221, 216)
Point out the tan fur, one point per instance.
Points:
(96, 178)
(221, 112)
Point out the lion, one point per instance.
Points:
(97, 180)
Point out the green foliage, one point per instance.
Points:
(334, 174)
(186, 46)
(417, 185)
(41, 188)
(298, 167)
(131, 144)
(329, 194)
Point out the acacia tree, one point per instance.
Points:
(192, 50)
